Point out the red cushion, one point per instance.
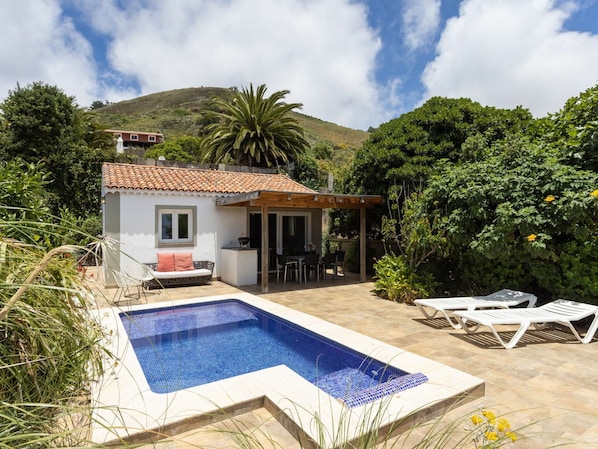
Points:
(166, 262)
(183, 261)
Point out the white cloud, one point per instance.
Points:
(507, 53)
(38, 44)
(323, 52)
(421, 19)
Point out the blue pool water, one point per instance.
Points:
(186, 346)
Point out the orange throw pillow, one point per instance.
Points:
(183, 261)
(166, 262)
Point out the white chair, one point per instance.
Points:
(559, 311)
(124, 284)
(501, 299)
(139, 271)
(285, 265)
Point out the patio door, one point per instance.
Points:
(288, 233)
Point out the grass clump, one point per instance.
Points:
(50, 347)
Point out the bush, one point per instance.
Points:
(397, 281)
(519, 218)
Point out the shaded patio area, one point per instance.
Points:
(546, 385)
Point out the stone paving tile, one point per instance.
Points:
(547, 383)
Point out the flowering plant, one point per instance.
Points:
(491, 432)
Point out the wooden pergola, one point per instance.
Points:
(292, 200)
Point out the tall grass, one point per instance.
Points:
(50, 346)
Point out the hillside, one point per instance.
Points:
(180, 112)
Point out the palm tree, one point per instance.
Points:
(253, 130)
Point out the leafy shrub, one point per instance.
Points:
(397, 281)
(519, 218)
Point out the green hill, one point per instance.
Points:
(181, 112)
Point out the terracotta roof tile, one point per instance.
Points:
(149, 177)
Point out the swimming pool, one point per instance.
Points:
(127, 409)
(186, 346)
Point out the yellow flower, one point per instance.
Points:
(491, 436)
(490, 416)
(503, 424)
(512, 436)
(475, 419)
(549, 198)
(594, 193)
(531, 237)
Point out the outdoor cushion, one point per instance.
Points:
(183, 262)
(182, 274)
(165, 262)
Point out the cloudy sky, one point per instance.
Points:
(357, 63)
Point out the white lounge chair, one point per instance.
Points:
(559, 311)
(501, 299)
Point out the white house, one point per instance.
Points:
(149, 209)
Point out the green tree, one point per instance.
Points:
(44, 124)
(97, 104)
(254, 130)
(401, 154)
(182, 149)
(306, 171)
(23, 196)
(575, 129)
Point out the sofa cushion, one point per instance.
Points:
(165, 262)
(182, 274)
(183, 261)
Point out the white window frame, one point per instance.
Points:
(175, 211)
(151, 138)
(134, 137)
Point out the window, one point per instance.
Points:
(151, 138)
(134, 137)
(175, 225)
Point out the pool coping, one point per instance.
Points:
(125, 409)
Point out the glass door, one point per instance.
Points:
(293, 233)
(288, 233)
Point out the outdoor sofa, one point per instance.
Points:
(178, 269)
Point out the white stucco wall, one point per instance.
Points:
(216, 227)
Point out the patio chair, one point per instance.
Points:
(285, 265)
(501, 299)
(124, 285)
(143, 275)
(311, 263)
(340, 261)
(559, 311)
(330, 260)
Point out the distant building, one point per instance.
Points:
(138, 139)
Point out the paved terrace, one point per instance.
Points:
(547, 386)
